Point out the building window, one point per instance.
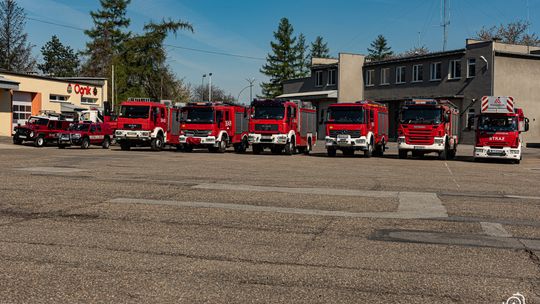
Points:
(58, 98)
(435, 71)
(88, 100)
(471, 67)
(318, 78)
(400, 74)
(418, 73)
(370, 75)
(454, 69)
(385, 76)
(331, 77)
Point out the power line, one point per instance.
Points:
(169, 45)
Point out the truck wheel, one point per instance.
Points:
(256, 149)
(369, 152)
(125, 146)
(241, 147)
(379, 150)
(276, 149)
(308, 148)
(222, 146)
(348, 152)
(445, 153)
(331, 152)
(402, 154)
(452, 154)
(188, 148)
(157, 143)
(39, 141)
(517, 161)
(61, 146)
(17, 140)
(85, 143)
(106, 143)
(290, 148)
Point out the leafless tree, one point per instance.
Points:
(513, 32)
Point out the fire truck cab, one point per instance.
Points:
(214, 125)
(428, 125)
(362, 125)
(498, 129)
(282, 125)
(143, 122)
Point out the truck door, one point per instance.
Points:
(219, 120)
(228, 122)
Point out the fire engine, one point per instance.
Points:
(214, 125)
(428, 125)
(143, 122)
(362, 125)
(282, 125)
(41, 129)
(498, 129)
(84, 134)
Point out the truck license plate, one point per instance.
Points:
(419, 147)
(342, 136)
(22, 136)
(496, 152)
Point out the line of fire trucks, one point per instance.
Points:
(286, 126)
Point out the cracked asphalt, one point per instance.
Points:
(102, 226)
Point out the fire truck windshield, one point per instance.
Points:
(421, 115)
(79, 127)
(269, 112)
(490, 123)
(198, 115)
(346, 115)
(135, 111)
(38, 121)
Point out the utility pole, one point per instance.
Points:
(202, 87)
(112, 85)
(210, 87)
(445, 21)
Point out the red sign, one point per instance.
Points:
(80, 89)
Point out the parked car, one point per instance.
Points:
(84, 134)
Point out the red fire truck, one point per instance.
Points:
(498, 129)
(41, 129)
(362, 125)
(428, 125)
(84, 134)
(143, 122)
(282, 125)
(214, 125)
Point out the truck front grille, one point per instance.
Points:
(420, 137)
(132, 126)
(196, 133)
(352, 133)
(266, 127)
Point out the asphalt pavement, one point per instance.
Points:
(102, 226)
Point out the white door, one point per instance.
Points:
(22, 108)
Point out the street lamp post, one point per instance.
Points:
(202, 87)
(251, 81)
(210, 87)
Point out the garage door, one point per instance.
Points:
(22, 107)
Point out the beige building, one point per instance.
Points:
(22, 95)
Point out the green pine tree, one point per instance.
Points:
(379, 49)
(58, 60)
(282, 61)
(107, 34)
(319, 48)
(15, 50)
(302, 57)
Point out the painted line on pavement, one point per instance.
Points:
(51, 169)
(495, 229)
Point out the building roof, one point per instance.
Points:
(415, 58)
(8, 84)
(84, 80)
(325, 94)
(517, 55)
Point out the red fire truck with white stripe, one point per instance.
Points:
(362, 125)
(498, 129)
(214, 125)
(428, 125)
(143, 122)
(283, 126)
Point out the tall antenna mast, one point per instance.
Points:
(445, 21)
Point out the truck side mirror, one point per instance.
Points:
(526, 124)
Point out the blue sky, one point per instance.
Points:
(245, 27)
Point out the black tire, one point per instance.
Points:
(241, 147)
(445, 153)
(222, 146)
(369, 152)
(331, 152)
(85, 144)
(179, 148)
(348, 152)
(17, 140)
(452, 154)
(106, 144)
(276, 149)
(402, 154)
(125, 146)
(417, 154)
(290, 148)
(257, 149)
(517, 161)
(157, 143)
(61, 146)
(39, 141)
(308, 148)
(379, 150)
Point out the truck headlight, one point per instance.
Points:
(76, 135)
(514, 151)
(118, 133)
(478, 150)
(145, 134)
(32, 134)
(439, 141)
(361, 141)
(401, 140)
